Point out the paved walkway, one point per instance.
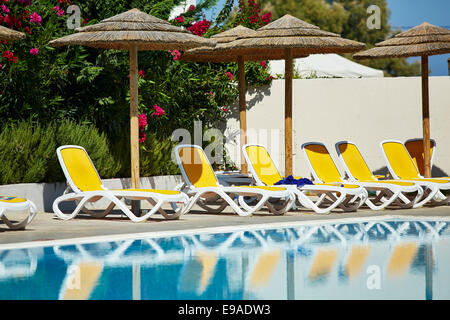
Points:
(46, 226)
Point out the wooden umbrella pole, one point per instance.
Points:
(288, 111)
(134, 124)
(426, 118)
(242, 110)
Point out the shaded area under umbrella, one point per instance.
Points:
(215, 54)
(423, 40)
(289, 37)
(133, 30)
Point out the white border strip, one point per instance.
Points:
(208, 230)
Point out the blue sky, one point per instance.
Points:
(410, 13)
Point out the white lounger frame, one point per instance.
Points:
(73, 193)
(380, 190)
(397, 191)
(342, 201)
(18, 206)
(432, 189)
(227, 194)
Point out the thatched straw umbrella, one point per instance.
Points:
(423, 40)
(289, 37)
(8, 34)
(133, 30)
(215, 54)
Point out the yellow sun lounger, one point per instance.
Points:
(86, 186)
(415, 150)
(358, 171)
(265, 173)
(324, 169)
(401, 166)
(201, 184)
(8, 203)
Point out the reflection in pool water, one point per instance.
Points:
(390, 259)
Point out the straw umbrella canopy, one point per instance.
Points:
(133, 30)
(203, 54)
(423, 40)
(289, 37)
(8, 34)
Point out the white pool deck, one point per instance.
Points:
(46, 228)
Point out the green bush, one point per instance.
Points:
(154, 158)
(28, 151)
(96, 145)
(25, 152)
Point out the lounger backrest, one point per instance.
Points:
(354, 161)
(415, 150)
(321, 163)
(261, 164)
(399, 160)
(79, 169)
(195, 166)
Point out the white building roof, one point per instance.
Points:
(326, 66)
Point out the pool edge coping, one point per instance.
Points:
(210, 230)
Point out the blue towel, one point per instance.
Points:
(290, 180)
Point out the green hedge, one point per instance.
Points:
(28, 152)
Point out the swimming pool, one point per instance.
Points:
(376, 259)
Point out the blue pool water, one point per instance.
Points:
(390, 259)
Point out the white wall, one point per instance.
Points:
(364, 111)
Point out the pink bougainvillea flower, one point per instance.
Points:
(158, 111)
(35, 18)
(142, 118)
(34, 51)
(175, 54)
(9, 20)
(224, 109)
(141, 73)
(179, 19)
(60, 13)
(4, 8)
(200, 27)
(263, 64)
(229, 74)
(10, 56)
(266, 18)
(142, 136)
(56, 8)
